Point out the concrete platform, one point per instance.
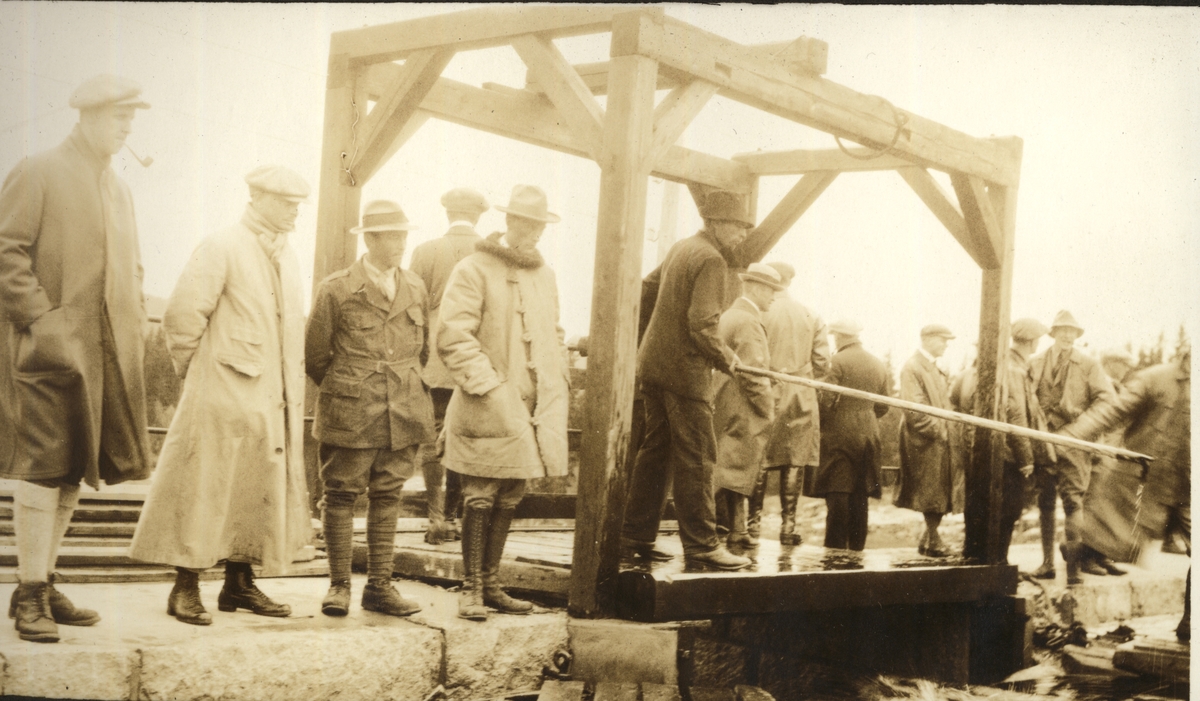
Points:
(139, 652)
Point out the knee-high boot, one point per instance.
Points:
(380, 595)
(755, 506)
(790, 478)
(493, 595)
(474, 542)
(435, 497)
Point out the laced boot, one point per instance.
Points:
(789, 495)
(338, 521)
(240, 592)
(470, 598)
(493, 595)
(34, 620)
(379, 595)
(63, 611)
(184, 601)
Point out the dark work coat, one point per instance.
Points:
(69, 263)
(686, 295)
(432, 261)
(850, 453)
(927, 444)
(1085, 384)
(366, 354)
(1021, 408)
(744, 404)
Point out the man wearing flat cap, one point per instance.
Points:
(927, 444)
(230, 483)
(432, 261)
(798, 341)
(72, 339)
(507, 420)
(1067, 382)
(745, 404)
(850, 453)
(365, 344)
(683, 299)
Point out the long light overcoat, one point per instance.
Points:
(494, 298)
(69, 256)
(927, 444)
(433, 261)
(745, 405)
(230, 479)
(799, 345)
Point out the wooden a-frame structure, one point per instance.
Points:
(633, 138)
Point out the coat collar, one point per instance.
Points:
(747, 306)
(360, 284)
(79, 143)
(926, 363)
(461, 229)
(511, 257)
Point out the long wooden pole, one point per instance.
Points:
(1000, 426)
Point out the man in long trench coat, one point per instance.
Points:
(230, 482)
(74, 405)
(745, 404)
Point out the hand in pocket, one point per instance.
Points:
(45, 345)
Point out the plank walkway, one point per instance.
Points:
(614, 691)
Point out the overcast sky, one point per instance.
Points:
(1107, 101)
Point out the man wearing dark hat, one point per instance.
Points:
(507, 420)
(1067, 382)
(850, 454)
(71, 297)
(745, 404)
(364, 347)
(432, 261)
(927, 444)
(798, 341)
(230, 483)
(684, 298)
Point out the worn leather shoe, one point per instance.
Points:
(647, 552)
(240, 592)
(1092, 567)
(382, 597)
(34, 622)
(1110, 566)
(184, 600)
(337, 599)
(719, 559)
(1045, 571)
(61, 608)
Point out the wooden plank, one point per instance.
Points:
(534, 120)
(1161, 658)
(387, 121)
(475, 28)
(659, 692)
(945, 209)
(795, 203)
(985, 472)
(699, 693)
(983, 226)
(615, 691)
(339, 198)
(554, 690)
(595, 76)
(749, 77)
(675, 113)
(565, 89)
(745, 692)
(613, 348)
(802, 161)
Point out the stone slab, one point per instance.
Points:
(622, 651)
(69, 669)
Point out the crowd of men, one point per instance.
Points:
(459, 365)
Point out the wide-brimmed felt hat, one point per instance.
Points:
(1065, 318)
(278, 180)
(763, 274)
(937, 330)
(846, 327)
(105, 89)
(464, 199)
(722, 205)
(529, 201)
(1028, 329)
(383, 215)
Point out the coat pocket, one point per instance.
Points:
(44, 347)
(487, 416)
(338, 403)
(242, 351)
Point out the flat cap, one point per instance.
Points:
(278, 181)
(937, 330)
(846, 327)
(1120, 354)
(105, 89)
(1028, 329)
(464, 199)
(1065, 318)
(786, 271)
(764, 275)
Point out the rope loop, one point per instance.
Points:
(900, 120)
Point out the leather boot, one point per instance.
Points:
(755, 506)
(789, 495)
(435, 498)
(1183, 631)
(338, 520)
(453, 507)
(1071, 554)
(470, 598)
(381, 597)
(34, 620)
(240, 592)
(737, 515)
(61, 608)
(493, 595)
(1046, 522)
(184, 601)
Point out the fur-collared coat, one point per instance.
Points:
(497, 298)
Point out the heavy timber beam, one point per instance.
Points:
(624, 171)
(945, 210)
(982, 223)
(749, 77)
(338, 200)
(565, 89)
(675, 113)
(985, 475)
(387, 120)
(477, 28)
(807, 160)
(785, 215)
(532, 119)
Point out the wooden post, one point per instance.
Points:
(985, 476)
(612, 353)
(337, 206)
